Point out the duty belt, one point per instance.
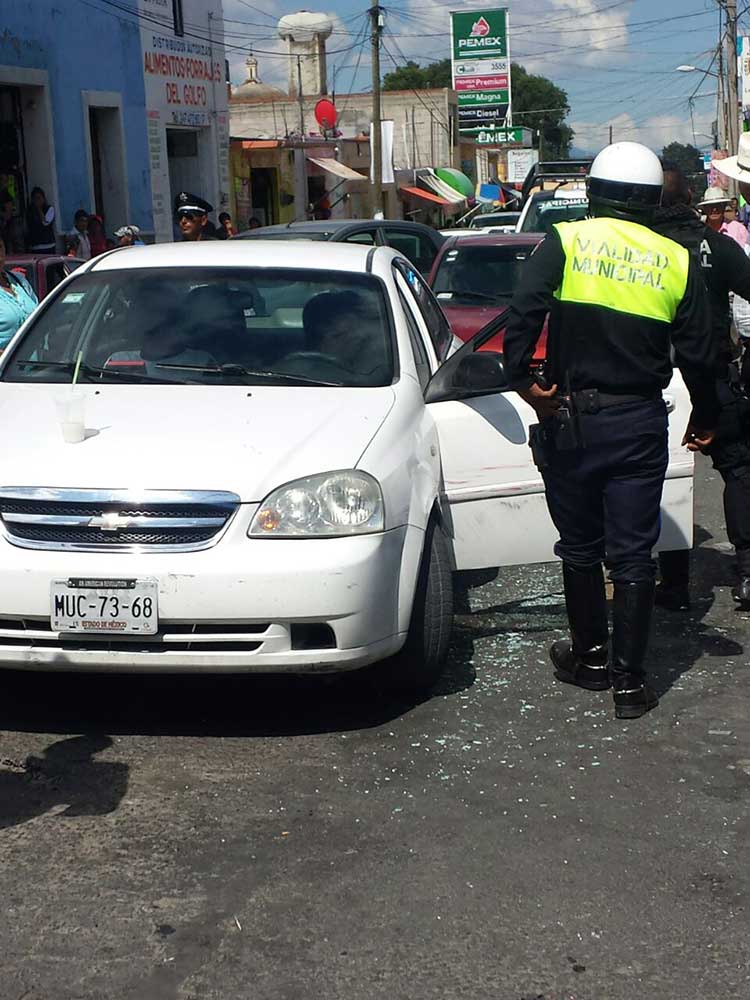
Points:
(592, 401)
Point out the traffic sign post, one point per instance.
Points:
(481, 69)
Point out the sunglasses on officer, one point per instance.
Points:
(190, 215)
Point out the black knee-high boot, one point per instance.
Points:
(633, 607)
(584, 660)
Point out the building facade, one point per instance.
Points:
(113, 111)
(421, 133)
(185, 105)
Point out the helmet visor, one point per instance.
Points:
(625, 193)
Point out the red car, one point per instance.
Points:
(42, 271)
(474, 278)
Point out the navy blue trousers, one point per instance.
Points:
(605, 498)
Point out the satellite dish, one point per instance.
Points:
(325, 114)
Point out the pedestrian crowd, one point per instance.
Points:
(33, 231)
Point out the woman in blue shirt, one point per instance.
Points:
(17, 300)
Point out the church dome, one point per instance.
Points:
(253, 89)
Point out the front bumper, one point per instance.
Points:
(229, 609)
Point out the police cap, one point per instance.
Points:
(186, 202)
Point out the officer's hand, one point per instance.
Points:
(697, 439)
(544, 401)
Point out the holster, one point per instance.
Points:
(540, 446)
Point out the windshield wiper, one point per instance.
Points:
(266, 376)
(89, 370)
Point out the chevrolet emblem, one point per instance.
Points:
(110, 522)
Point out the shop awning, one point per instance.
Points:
(261, 143)
(339, 169)
(441, 188)
(457, 180)
(421, 193)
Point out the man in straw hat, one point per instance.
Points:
(726, 270)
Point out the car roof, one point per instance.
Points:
(569, 194)
(331, 226)
(494, 239)
(32, 258)
(228, 253)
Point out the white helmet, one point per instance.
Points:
(626, 180)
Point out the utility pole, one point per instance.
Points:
(376, 138)
(301, 99)
(610, 135)
(733, 114)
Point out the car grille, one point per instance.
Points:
(232, 637)
(44, 518)
(175, 637)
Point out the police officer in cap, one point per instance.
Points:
(619, 295)
(192, 217)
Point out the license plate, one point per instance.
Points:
(104, 607)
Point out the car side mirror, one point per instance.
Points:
(482, 371)
(479, 373)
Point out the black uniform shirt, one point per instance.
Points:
(593, 347)
(724, 267)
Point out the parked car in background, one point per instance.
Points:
(545, 208)
(43, 271)
(554, 192)
(504, 220)
(417, 242)
(474, 278)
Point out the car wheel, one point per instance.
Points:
(419, 664)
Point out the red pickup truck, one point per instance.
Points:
(474, 278)
(42, 271)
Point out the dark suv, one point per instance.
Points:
(417, 242)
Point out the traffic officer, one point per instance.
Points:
(192, 217)
(617, 294)
(725, 269)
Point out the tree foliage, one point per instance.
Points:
(531, 93)
(685, 155)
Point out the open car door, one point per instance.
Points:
(492, 491)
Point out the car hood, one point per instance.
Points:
(465, 321)
(244, 439)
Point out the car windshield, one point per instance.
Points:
(475, 275)
(212, 326)
(544, 214)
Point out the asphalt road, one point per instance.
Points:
(256, 839)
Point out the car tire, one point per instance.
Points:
(420, 662)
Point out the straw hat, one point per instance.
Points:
(714, 196)
(737, 167)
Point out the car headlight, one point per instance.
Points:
(334, 503)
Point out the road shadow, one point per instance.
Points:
(209, 705)
(681, 639)
(66, 774)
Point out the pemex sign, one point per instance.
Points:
(481, 69)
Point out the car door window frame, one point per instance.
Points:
(410, 303)
(417, 286)
(418, 350)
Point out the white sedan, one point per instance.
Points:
(273, 459)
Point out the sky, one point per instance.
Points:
(616, 59)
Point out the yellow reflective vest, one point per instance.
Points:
(623, 266)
